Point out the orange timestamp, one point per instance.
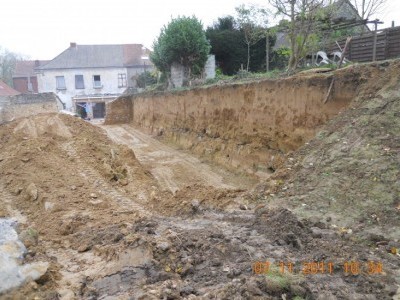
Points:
(320, 267)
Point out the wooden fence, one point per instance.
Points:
(361, 47)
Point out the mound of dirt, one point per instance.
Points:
(76, 195)
(63, 179)
(347, 177)
(196, 198)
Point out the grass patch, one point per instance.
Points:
(278, 282)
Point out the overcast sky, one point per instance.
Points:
(42, 29)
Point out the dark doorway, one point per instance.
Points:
(99, 110)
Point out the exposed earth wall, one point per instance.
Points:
(242, 126)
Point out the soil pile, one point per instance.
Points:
(349, 173)
(77, 197)
(64, 180)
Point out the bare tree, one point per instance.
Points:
(368, 8)
(7, 64)
(251, 20)
(302, 15)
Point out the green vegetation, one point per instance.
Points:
(278, 282)
(251, 20)
(227, 37)
(302, 28)
(32, 232)
(239, 44)
(182, 41)
(146, 79)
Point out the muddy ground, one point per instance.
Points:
(119, 215)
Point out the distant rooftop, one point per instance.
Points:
(99, 56)
(24, 68)
(6, 90)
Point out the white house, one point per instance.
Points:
(85, 77)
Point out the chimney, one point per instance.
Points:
(72, 45)
(37, 63)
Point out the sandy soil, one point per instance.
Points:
(173, 169)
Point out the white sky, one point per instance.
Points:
(42, 29)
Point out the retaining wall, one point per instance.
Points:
(25, 105)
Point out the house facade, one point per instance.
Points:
(85, 77)
(24, 76)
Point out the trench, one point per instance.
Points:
(247, 127)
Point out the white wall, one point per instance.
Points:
(209, 68)
(109, 81)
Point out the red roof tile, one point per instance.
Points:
(25, 67)
(6, 90)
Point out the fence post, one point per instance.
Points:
(375, 22)
(375, 41)
(348, 41)
(267, 51)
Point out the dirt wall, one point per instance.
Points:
(25, 105)
(119, 112)
(246, 126)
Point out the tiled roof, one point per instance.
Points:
(6, 90)
(99, 56)
(25, 67)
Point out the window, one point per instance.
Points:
(121, 80)
(60, 83)
(79, 84)
(96, 81)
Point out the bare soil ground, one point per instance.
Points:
(173, 169)
(124, 216)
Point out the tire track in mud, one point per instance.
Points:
(72, 261)
(127, 204)
(173, 169)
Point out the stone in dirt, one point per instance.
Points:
(32, 192)
(48, 206)
(34, 271)
(243, 207)
(164, 246)
(195, 205)
(29, 237)
(84, 248)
